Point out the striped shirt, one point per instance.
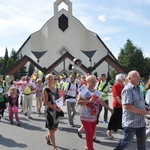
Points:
(133, 96)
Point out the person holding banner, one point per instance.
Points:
(52, 111)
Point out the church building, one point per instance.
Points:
(64, 44)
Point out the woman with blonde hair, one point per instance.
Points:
(50, 94)
(90, 102)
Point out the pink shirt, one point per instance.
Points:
(24, 84)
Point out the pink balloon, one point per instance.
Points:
(15, 109)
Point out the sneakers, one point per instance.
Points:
(18, 124)
(11, 122)
(30, 118)
(72, 125)
(105, 122)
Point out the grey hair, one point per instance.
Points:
(120, 77)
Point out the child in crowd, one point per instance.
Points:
(13, 104)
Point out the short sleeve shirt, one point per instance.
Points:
(72, 91)
(133, 96)
(89, 112)
(116, 92)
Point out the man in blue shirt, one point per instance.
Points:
(134, 110)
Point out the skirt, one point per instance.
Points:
(115, 121)
(52, 120)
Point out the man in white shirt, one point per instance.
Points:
(70, 93)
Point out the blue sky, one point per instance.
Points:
(114, 21)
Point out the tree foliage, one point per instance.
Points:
(4, 63)
(132, 58)
(31, 69)
(8, 61)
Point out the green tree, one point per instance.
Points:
(14, 55)
(5, 60)
(1, 64)
(31, 69)
(113, 74)
(12, 60)
(147, 68)
(132, 58)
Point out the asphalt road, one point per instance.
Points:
(31, 134)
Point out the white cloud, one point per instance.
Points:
(16, 17)
(102, 18)
(106, 39)
(129, 15)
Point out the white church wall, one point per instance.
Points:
(75, 38)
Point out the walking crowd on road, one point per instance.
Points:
(130, 111)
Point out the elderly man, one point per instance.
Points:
(134, 110)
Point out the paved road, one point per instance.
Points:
(30, 135)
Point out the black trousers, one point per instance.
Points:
(105, 112)
(2, 108)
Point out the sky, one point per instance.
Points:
(114, 21)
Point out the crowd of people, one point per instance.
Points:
(130, 106)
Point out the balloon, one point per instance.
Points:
(34, 77)
(15, 109)
(39, 72)
(27, 90)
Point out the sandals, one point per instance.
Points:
(79, 134)
(109, 135)
(48, 140)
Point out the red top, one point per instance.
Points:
(116, 92)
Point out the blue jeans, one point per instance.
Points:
(128, 138)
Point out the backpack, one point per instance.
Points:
(67, 96)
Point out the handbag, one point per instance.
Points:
(59, 114)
